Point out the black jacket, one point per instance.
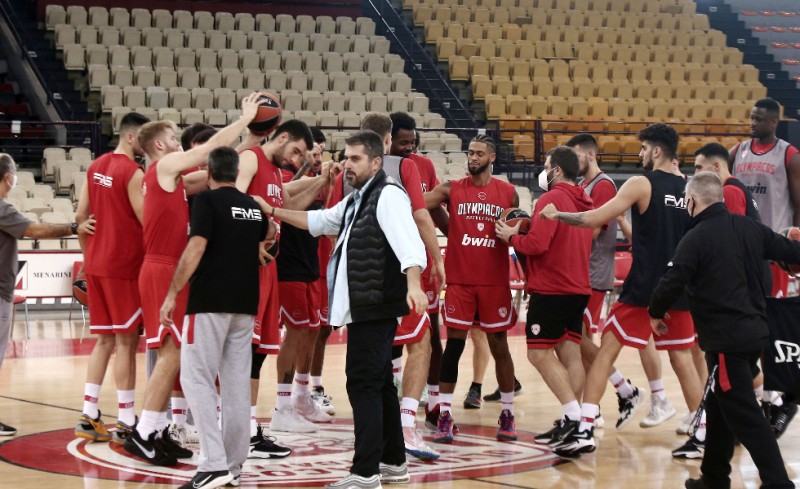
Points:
(719, 261)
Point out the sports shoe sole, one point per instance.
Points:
(92, 437)
(688, 455)
(422, 453)
(265, 455)
(443, 439)
(505, 437)
(647, 424)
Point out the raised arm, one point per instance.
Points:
(635, 191)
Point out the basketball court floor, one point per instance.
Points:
(41, 395)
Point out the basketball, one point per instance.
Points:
(512, 216)
(792, 233)
(79, 289)
(268, 116)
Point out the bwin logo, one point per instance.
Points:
(787, 352)
(672, 201)
(241, 214)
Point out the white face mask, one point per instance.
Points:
(13, 180)
(544, 184)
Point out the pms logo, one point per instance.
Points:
(102, 180)
(242, 214)
(467, 240)
(787, 352)
(672, 201)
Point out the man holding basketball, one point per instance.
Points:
(558, 283)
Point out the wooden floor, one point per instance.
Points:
(42, 385)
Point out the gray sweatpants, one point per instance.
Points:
(6, 312)
(211, 345)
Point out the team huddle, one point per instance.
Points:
(166, 255)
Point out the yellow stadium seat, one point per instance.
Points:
(495, 107)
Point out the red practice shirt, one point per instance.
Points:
(166, 217)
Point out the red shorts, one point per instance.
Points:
(780, 281)
(266, 328)
(412, 329)
(115, 305)
(492, 303)
(591, 315)
(154, 280)
(322, 301)
(430, 290)
(299, 304)
(631, 326)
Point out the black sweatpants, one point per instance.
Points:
(373, 396)
(732, 412)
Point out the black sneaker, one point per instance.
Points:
(6, 430)
(473, 399)
(495, 396)
(781, 417)
(171, 448)
(149, 450)
(575, 444)
(208, 480)
(262, 446)
(561, 429)
(696, 484)
(432, 417)
(692, 449)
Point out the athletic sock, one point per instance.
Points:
(623, 387)
(125, 402)
(91, 392)
(433, 396)
(253, 422)
(507, 401)
(408, 411)
(700, 433)
(589, 413)
(572, 410)
(162, 421)
(179, 407)
(445, 402)
(284, 399)
(300, 384)
(147, 423)
(397, 369)
(316, 382)
(657, 389)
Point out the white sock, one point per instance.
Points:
(623, 387)
(147, 423)
(700, 434)
(572, 410)
(284, 399)
(125, 401)
(507, 401)
(445, 402)
(589, 413)
(316, 382)
(163, 422)
(775, 398)
(300, 384)
(408, 411)
(179, 407)
(657, 389)
(433, 396)
(91, 392)
(397, 368)
(253, 422)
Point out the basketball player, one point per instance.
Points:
(260, 175)
(557, 268)
(112, 259)
(659, 221)
(770, 168)
(474, 204)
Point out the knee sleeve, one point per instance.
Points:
(450, 357)
(258, 362)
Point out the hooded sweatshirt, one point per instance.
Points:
(557, 253)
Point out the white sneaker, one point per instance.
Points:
(286, 419)
(686, 424)
(394, 474)
(178, 434)
(324, 401)
(192, 436)
(660, 411)
(354, 481)
(416, 446)
(310, 410)
(599, 422)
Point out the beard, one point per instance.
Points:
(354, 181)
(477, 171)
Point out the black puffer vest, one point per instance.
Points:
(377, 285)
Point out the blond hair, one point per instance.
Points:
(151, 131)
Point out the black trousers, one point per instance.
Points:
(373, 396)
(733, 413)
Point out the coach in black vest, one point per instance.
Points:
(378, 244)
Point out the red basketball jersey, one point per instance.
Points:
(427, 172)
(115, 249)
(475, 255)
(166, 217)
(267, 183)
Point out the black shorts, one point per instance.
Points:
(553, 319)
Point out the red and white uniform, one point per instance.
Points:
(429, 181)
(477, 260)
(113, 255)
(267, 184)
(166, 231)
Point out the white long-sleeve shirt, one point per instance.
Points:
(397, 223)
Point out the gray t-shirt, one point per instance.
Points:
(12, 227)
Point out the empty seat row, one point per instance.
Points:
(203, 20)
(153, 37)
(653, 6)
